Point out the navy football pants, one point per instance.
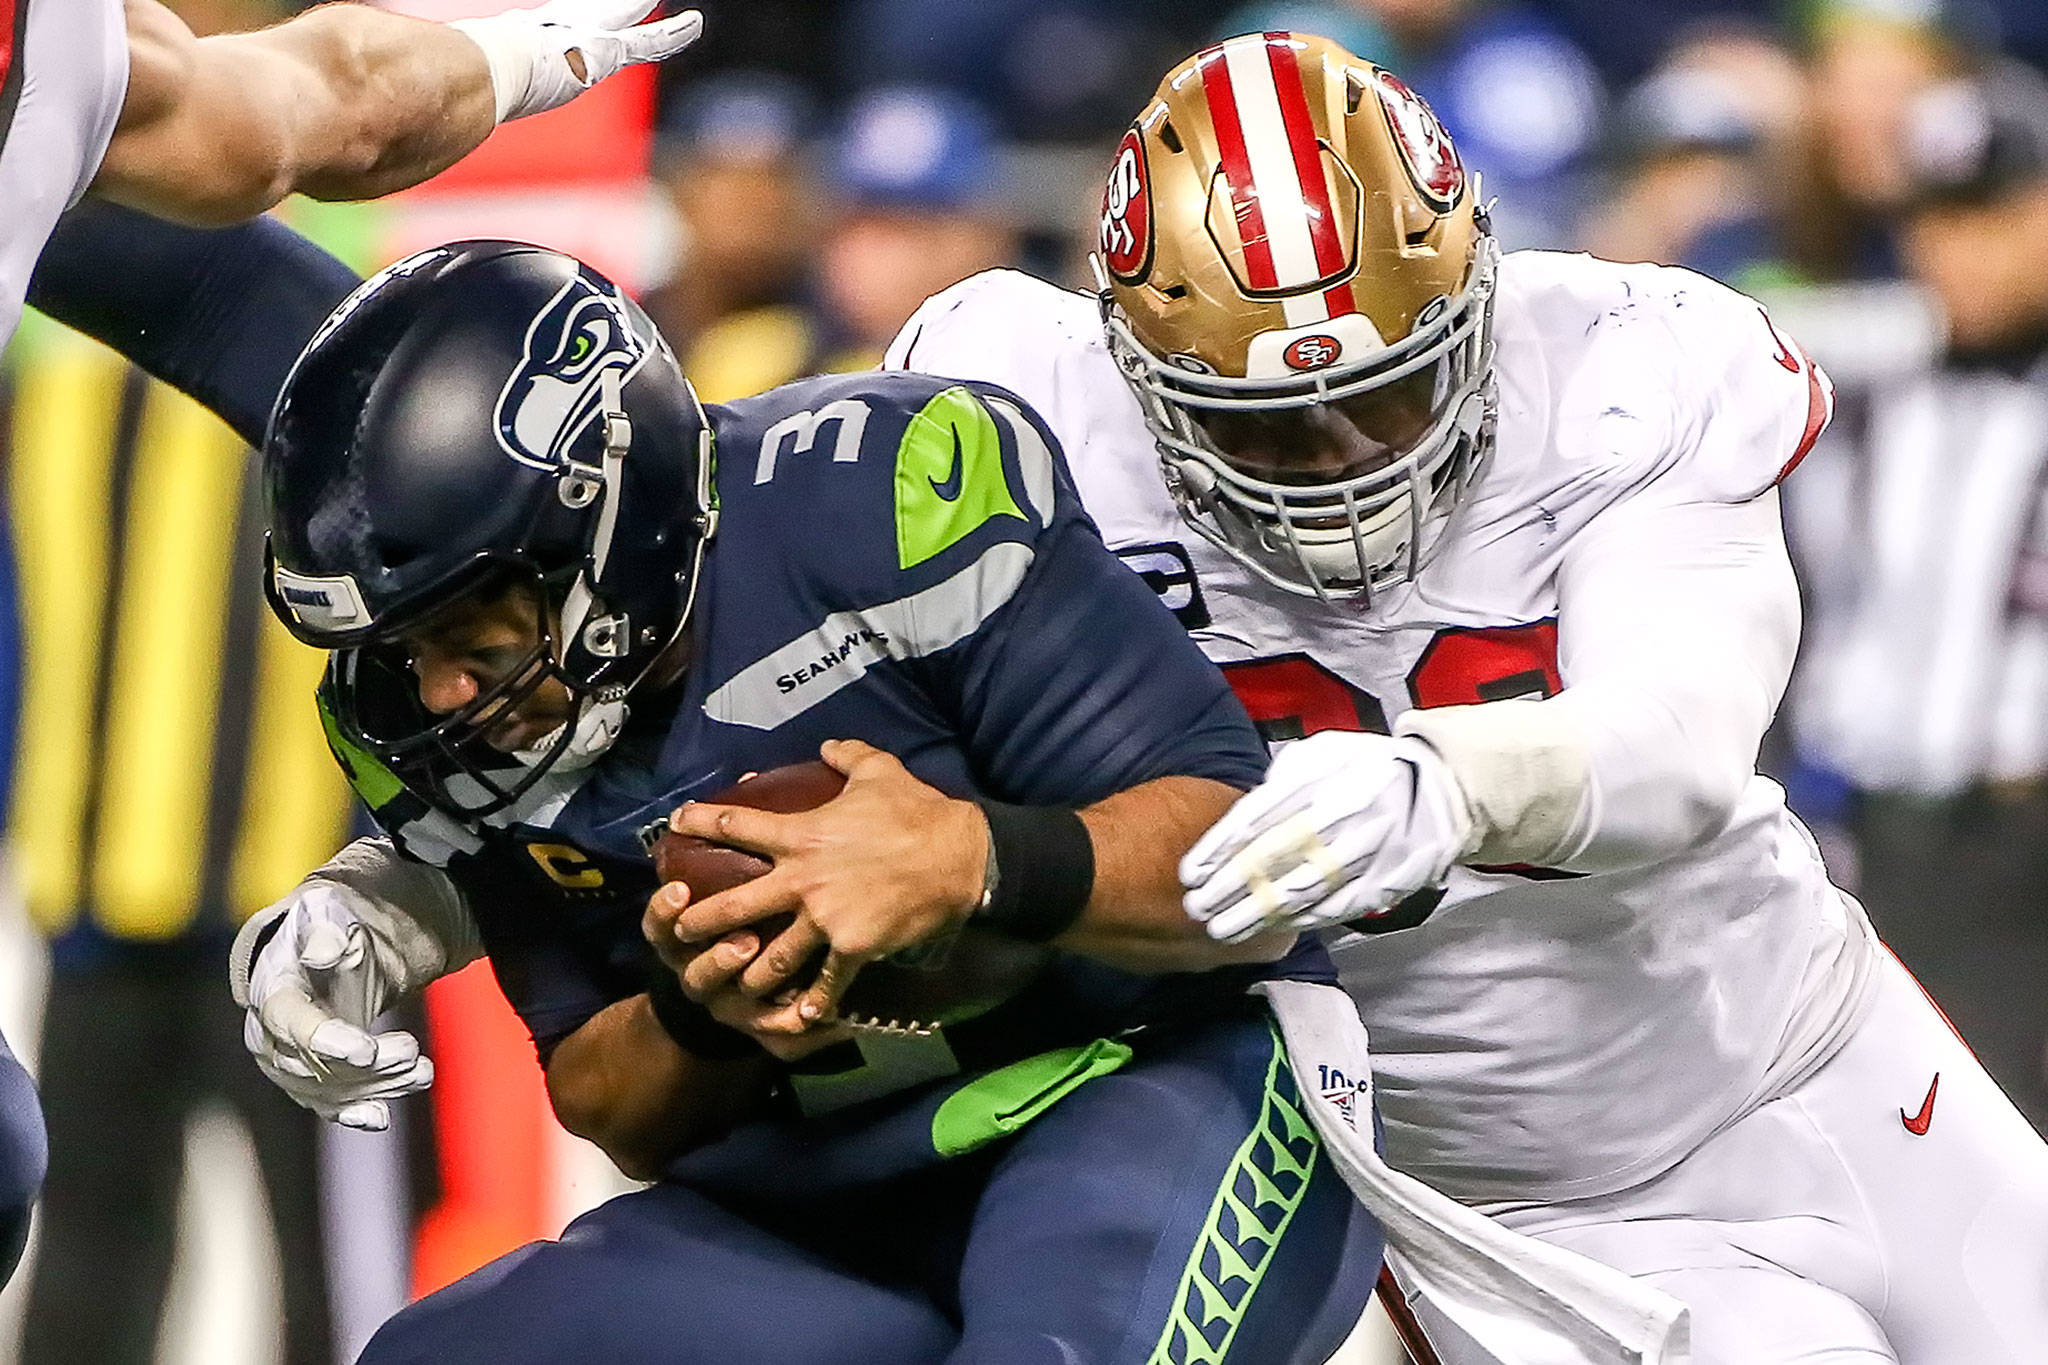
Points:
(24, 1157)
(1178, 1210)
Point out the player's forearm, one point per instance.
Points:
(1679, 626)
(379, 101)
(1683, 676)
(220, 314)
(623, 1083)
(1134, 919)
(343, 102)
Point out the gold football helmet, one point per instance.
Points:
(1298, 280)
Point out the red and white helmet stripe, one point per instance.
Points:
(1275, 170)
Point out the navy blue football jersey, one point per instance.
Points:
(902, 560)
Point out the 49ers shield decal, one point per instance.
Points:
(1127, 213)
(1426, 151)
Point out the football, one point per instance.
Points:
(942, 983)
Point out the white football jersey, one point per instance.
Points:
(1537, 1035)
(63, 79)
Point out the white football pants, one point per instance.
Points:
(1824, 1229)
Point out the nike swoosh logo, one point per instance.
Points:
(1917, 1124)
(949, 488)
(1785, 356)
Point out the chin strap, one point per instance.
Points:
(596, 728)
(609, 636)
(598, 724)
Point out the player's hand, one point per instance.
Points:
(1344, 827)
(887, 864)
(711, 978)
(311, 995)
(542, 58)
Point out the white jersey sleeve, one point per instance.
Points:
(1043, 357)
(1678, 626)
(61, 91)
(952, 328)
(1678, 615)
(1678, 610)
(1684, 389)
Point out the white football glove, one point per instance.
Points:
(529, 49)
(1345, 826)
(311, 994)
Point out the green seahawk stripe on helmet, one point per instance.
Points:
(1263, 1187)
(424, 833)
(374, 782)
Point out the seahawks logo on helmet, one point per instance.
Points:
(585, 331)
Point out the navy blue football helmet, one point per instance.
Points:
(478, 415)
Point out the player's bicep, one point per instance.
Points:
(1677, 627)
(1681, 592)
(1753, 403)
(205, 133)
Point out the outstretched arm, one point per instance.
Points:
(346, 101)
(220, 313)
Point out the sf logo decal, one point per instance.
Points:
(1127, 212)
(1432, 162)
(1312, 352)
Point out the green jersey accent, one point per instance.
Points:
(374, 782)
(1261, 1190)
(1010, 1097)
(949, 476)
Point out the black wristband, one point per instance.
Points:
(1041, 874)
(690, 1024)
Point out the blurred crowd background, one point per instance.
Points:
(1876, 171)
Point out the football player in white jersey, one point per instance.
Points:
(343, 102)
(1494, 543)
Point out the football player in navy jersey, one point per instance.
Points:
(564, 599)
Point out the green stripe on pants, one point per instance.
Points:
(1257, 1199)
